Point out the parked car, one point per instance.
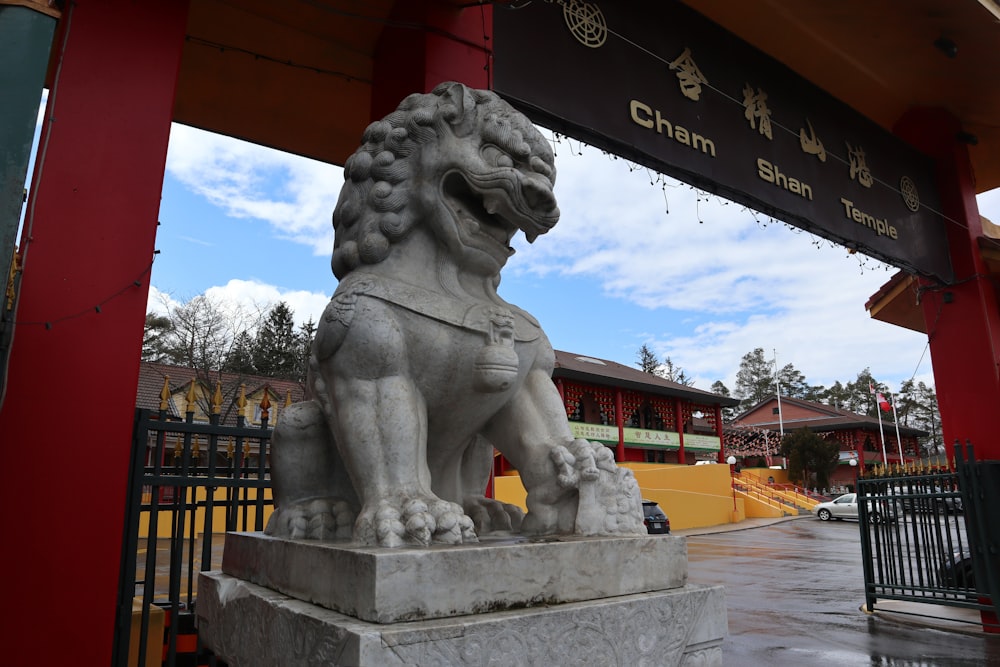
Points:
(957, 572)
(846, 507)
(924, 500)
(654, 518)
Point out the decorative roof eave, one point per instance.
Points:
(838, 424)
(611, 374)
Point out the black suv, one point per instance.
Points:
(654, 518)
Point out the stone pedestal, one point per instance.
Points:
(553, 602)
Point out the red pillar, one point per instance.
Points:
(719, 431)
(963, 320)
(66, 421)
(680, 430)
(451, 44)
(620, 420)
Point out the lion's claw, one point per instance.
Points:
(317, 519)
(419, 521)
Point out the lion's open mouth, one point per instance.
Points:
(479, 214)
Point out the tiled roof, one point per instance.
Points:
(826, 418)
(601, 371)
(151, 376)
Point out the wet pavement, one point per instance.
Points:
(794, 592)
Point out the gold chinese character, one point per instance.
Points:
(756, 109)
(810, 142)
(689, 75)
(859, 168)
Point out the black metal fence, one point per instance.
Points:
(928, 537)
(190, 482)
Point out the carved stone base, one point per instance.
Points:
(513, 601)
(416, 583)
(250, 626)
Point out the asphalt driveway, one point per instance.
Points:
(794, 592)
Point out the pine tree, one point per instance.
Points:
(669, 371)
(720, 389)
(275, 353)
(240, 357)
(755, 378)
(648, 361)
(303, 342)
(154, 338)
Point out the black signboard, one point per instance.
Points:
(659, 84)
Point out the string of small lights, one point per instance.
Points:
(96, 308)
(761, 219)
(576, 9)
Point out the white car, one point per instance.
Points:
(846, 507)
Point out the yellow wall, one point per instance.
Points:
(780, 476)
(163, 521)
(691, 496)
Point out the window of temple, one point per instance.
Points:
(645, 417)
(656, 456)
(591, 409)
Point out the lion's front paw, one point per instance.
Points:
(415, 521)
(317, 519)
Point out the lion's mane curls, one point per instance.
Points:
(372, 211)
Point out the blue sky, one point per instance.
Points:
(635, 259)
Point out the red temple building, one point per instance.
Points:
(860, 437)
(646, 418)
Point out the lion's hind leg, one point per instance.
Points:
(313, 496)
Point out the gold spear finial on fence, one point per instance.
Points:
(217, 398)
(165, 394)
(178, 448)
(241, 402)
(265, 404)
(195, 449)
(288, 397)
(191, 397)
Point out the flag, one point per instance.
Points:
(883, 402)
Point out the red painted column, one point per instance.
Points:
(680, 430)
(620, 421)
(66, 421)
(719, 431)
(441, 42)
(963, 320)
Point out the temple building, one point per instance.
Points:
(755, 434)
(644, 417)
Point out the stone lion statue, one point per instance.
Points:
(419, 369)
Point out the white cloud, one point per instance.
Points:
(160, 302)
(295, 195)
(753, 282)
(709, 279)
(249, 296)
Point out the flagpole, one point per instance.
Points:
(881, 432)
(895, 419)
(777, 391)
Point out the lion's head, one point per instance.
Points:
(462, 161)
